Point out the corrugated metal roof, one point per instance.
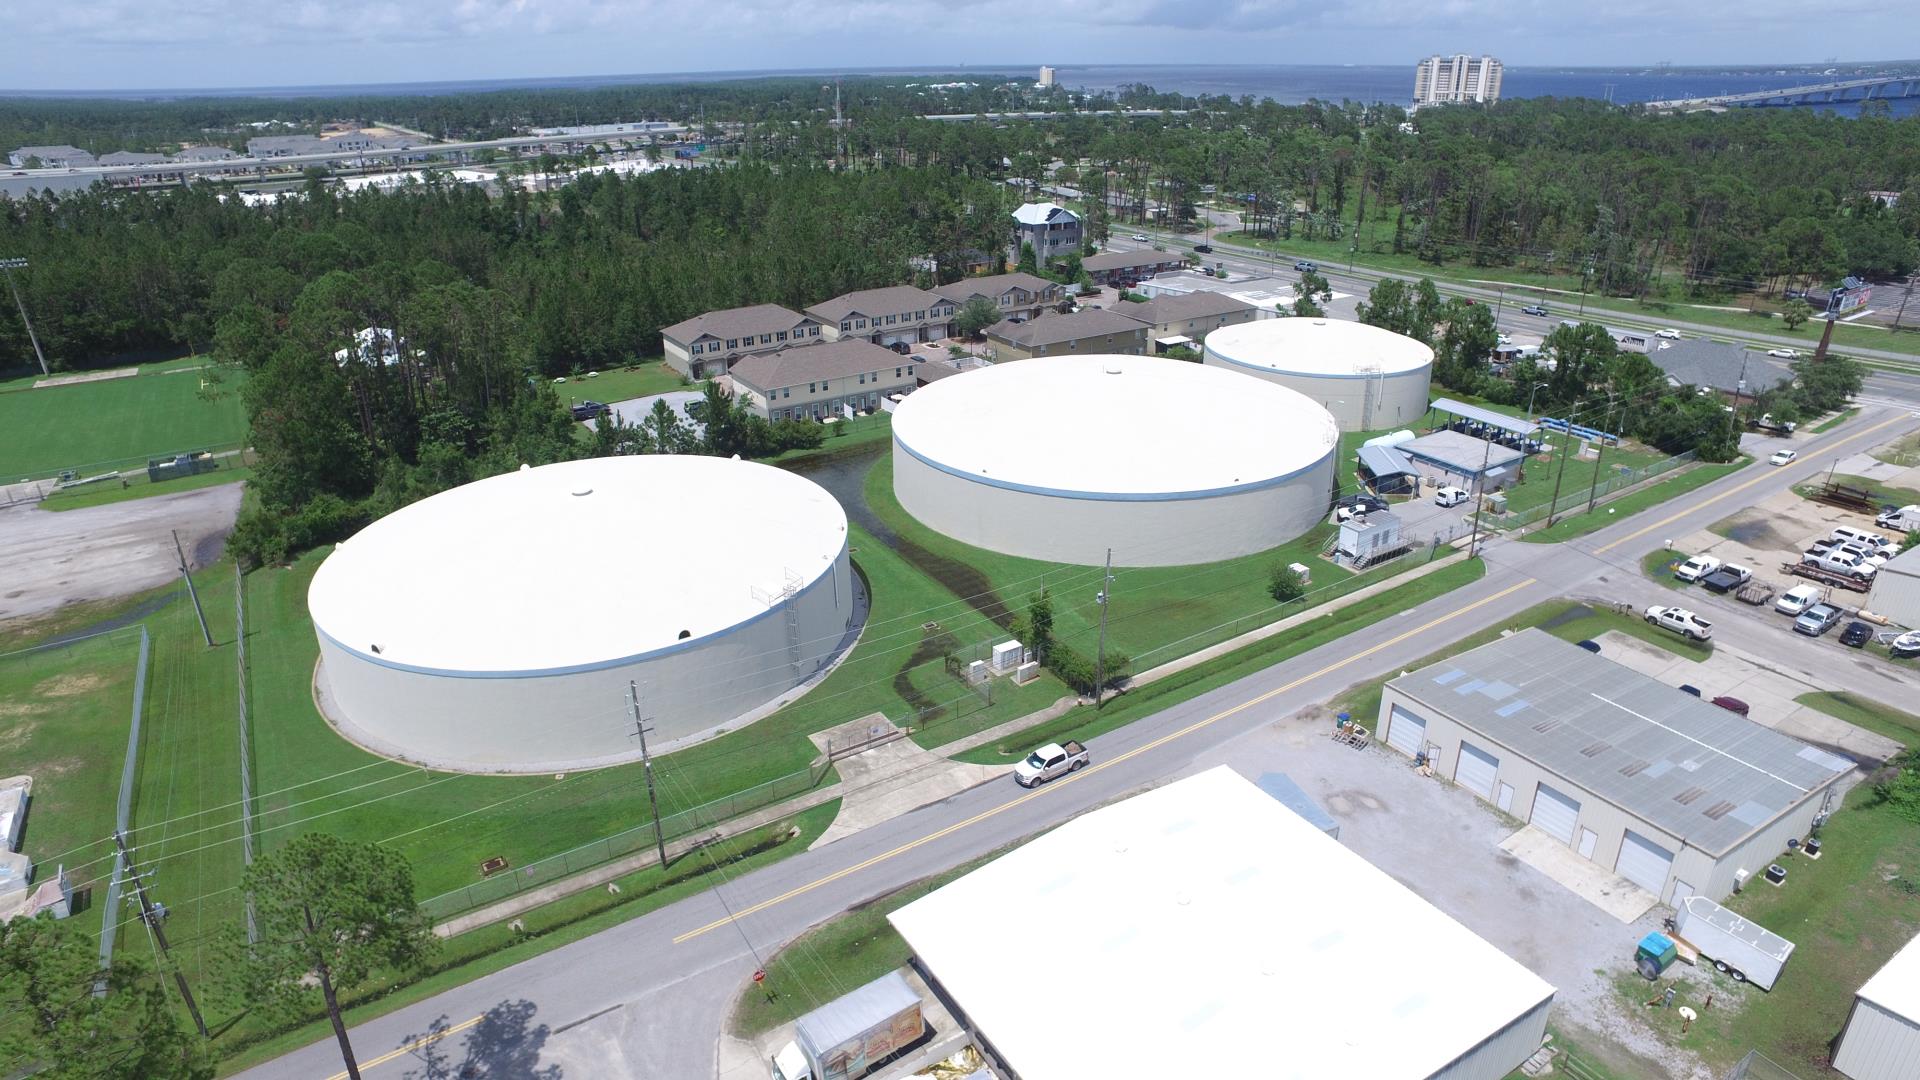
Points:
(1486, 416)
(846, 1017)
(1384, 461)
(1460, 452)
(1687, 766)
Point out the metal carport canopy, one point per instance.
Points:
(1385, 461)
(1486, 416)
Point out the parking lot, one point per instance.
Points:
(1444, 844)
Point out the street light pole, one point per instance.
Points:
(1100, 657)
(1566, 451)
(1536, 389)
(9, 266)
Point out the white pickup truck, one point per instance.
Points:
(1837, 561)
(1696, 568)
(1680, 621)
(1050, 761)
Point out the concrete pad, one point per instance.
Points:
(892, 776)
(1768, 691)
(1611, 893)
(1870, 467)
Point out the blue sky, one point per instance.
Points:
(114, 44)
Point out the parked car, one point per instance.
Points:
(1861, 554)
(1731, 704)
(1727, 578)
(1353, 505)
(1689, 688)
(1534, 309)
(1783, 457)
(1680, 621)
(1817, 620)
(588, 410)
(1797, 599)
(1667, 332)
(1050, 761)
(1847, 534)
(1784, 427)
(1590, 645)
(1783, 354)
(1838, 561)
(1306, 267)
(1450, 496)
(900, 347)
(1856, 635)
(1696, 568)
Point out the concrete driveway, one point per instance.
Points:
(1445, 845)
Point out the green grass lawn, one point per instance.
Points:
(1899, 726)
(64, 713)
(1904, 451)
(1084, 723)
(94, 426)
(1659, 565)
(620, 384)
(1545, 474)
(1671, 486)
(1835, 421)
(1846, 913)
(1884, 492)
(1156, 614)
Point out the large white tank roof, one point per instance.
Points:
(1327, 348)
(575, 566)
(1114, 427)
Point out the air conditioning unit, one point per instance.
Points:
(1740, 880)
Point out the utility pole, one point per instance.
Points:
(191, 591)
(1480, 499)
(1904, 297)
(1566, 451)
(154, 915)
(1593, 490)
(1826, 336)
(839, 132)
(1100, 656)
(9, 266)
(646, 766)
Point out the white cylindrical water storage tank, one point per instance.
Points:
(495, 627)
(1163, 461)
(1368, 378)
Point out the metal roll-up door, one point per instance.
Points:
(1476, 770)
(1644, 862)
(1406, 732)
(1555, 814)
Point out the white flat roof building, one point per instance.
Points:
(1163, 461)
(494, 627)
(1370, 379)
(1882, 1038)
(1204, 929)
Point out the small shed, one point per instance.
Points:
(1387, 470)
(844, 1038)
(1882, 1038)
(1281, 787)
(1369, 536)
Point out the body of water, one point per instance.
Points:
(1288, 84)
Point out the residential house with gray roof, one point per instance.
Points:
(709, 344)
(899, 313)
(1016, 295)
(1728, 369)
(816, 382)
(50, 157)
(1092, 330)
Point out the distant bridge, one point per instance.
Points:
(1881, 86)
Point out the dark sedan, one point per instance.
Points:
(1856, 635)
(588, 410)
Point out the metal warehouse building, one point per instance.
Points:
(1675, 794)
(1163, 462)
(1368, 378)
(1896, 589)
(494, 627)
(1204, 929)
(1882, 1038)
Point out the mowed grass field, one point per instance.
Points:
(113, 421)
(64, 714)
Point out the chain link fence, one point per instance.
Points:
(1577, 499)
(511, 881)
(158, 468)
(1756, 1066)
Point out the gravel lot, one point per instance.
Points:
(1442, 843)
(49, 560)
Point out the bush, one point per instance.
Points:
(1285, 583)
(1076, 670)
(1901, 791)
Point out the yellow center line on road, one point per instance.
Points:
(1738, 488)
(1137, 751)
(412, 1046)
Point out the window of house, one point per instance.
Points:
(813, 331)
(846, 325)
(810, 388)
(786, 391)
(766, 339)
(896, 373)
(733, 343)
(859, 324)
(781, 336)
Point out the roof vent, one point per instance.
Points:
(1113, 369)
(1319, 322)
(582, 491)
(1687, 797)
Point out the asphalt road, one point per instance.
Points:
(1360, 280)
(648, 998)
